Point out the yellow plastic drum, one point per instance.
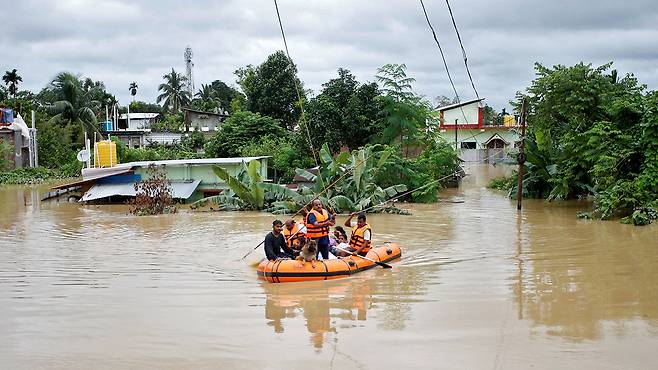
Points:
(105, 153)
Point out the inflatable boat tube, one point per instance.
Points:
(286, 271)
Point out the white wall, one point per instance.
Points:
(139, 124)
(470, 111)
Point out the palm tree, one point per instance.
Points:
(173, 92)
(12, 79)
(73, 104)
(206, 93)
(133, 89)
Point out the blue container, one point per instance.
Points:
(107, 126)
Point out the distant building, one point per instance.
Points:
(136, 132)
(206, 122)
(463, 125)
(137, 121)
(18, 143)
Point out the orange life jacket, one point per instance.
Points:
(357, 240)
(315, 232)
(292, 236)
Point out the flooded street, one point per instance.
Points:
(478, 287)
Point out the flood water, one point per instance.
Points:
(479, 286)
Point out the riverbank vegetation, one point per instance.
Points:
(592, 133)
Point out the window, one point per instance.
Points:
(468, 144)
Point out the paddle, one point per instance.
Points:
(248, 253)
(382, 264)
(314, 198)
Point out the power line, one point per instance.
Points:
(297, 88)
(445, 64)
(463, 51)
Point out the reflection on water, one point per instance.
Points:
(478, 286)
(578, 278)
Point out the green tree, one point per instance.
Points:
(133, 89)
(241, 129)
(174, 96)
(490, 116)
(55, 147)
(403, 113)
(217, 97)
(345, 113)
(12, 79)
(271, 89)
(143, 107)
(592, 133)
(288, 152)
(74, 103)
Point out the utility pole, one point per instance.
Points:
(456, 136)
(519, 186)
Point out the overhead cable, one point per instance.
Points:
(463, 51)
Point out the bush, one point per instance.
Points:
(239, 130)
(5, 151)
(286, 156)
(154, 195)
(55, 146)
(428, 172)
(23, 176)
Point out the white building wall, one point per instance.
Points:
(139, 124)
(471, 111)
(166, 138)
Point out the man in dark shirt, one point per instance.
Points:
(275, 243)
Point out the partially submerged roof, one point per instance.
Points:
(94, 176)
(88, 173)
(199, 161)
(457, 105)
(179, 189)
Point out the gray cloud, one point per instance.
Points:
(119, 41)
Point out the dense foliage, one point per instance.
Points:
(271, 89)
(345, 113)
(592, 133)
(241, 129)
(265, 120)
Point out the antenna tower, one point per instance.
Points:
(188, 69)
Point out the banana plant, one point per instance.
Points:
(245, 189)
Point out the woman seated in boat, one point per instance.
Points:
(360, 239)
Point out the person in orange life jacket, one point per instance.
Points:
(361, 235)
(293, 233)
(318, 221)
(275, 244)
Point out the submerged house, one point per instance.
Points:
(190, 179)
(463, 125)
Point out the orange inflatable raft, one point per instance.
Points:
(285, 271)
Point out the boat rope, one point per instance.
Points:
(456, 173)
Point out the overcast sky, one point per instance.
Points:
(118, 42)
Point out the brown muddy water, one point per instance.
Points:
(478, 287)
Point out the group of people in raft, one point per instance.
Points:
(286, 240)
